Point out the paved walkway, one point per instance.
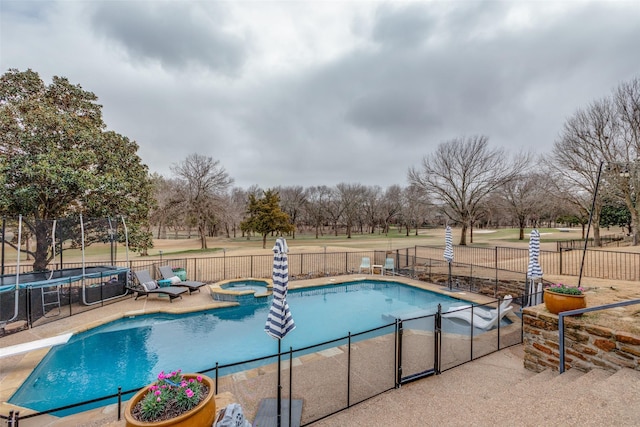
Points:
(497, 391)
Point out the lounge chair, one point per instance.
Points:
(477, 321)
(389, 265)
(147, 286)
(488, 313)
(365, 264)
(168, 274)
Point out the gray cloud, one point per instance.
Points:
(293, 93)
(177, 34)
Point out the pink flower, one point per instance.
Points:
(158, 393)
(189, 393)
(158, 399)
(199, 377)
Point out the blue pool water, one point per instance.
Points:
(129, 353)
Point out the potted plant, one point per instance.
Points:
(176, 400)
(560, 297)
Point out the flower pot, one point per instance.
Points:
(556, 302)
(201, 415)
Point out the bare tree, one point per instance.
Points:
(170, 203)
(334, 209)
(292, 200)
(414, 209)
(390, 206)
(626, 176)
(235, 206)
(523, 198)
(462, 173)
(315, 208)
(351, 198)
(587, 140)
(206, 183)
(371, 207)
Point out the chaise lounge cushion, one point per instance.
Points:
(149, 286)
(174, 280)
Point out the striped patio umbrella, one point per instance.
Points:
(279, 320)
(448, 249)
(534, 271)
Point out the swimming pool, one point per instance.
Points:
(130, 352)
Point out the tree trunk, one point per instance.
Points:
(43, 238)
(463, 235)
(264, 240)
(635, 223)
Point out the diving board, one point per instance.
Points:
(34, 345)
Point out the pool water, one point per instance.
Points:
(129, 353)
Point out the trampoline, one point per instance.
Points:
(67, 275)
(99, 283)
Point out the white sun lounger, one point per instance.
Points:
(34, 345)
(477, 321)
(487, 313)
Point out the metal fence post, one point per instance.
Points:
(560, 255)
(290, 383)
(119, 402)
(437, 354)
(349, 370)
(399, 352)
(495, 291)
(216, 391)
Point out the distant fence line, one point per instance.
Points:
(601, 264)
(616, 240)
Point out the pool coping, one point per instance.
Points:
(24, 364)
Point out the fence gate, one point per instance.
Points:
(418, 348)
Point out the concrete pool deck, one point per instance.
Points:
(15, 369)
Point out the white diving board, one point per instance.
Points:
(34, 345)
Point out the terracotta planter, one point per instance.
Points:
(557, 303)
(201, 415)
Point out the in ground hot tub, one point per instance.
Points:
(241, 290)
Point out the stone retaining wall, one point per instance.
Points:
(586, 346)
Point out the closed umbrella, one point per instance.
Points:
(279, 321)
(448, 250)
(534, 271)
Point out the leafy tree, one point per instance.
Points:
(57, 159)
(265, 216)
(616, 215)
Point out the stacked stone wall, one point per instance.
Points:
(587, 346)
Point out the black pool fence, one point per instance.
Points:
(334, 375)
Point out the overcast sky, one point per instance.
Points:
(322, 92)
